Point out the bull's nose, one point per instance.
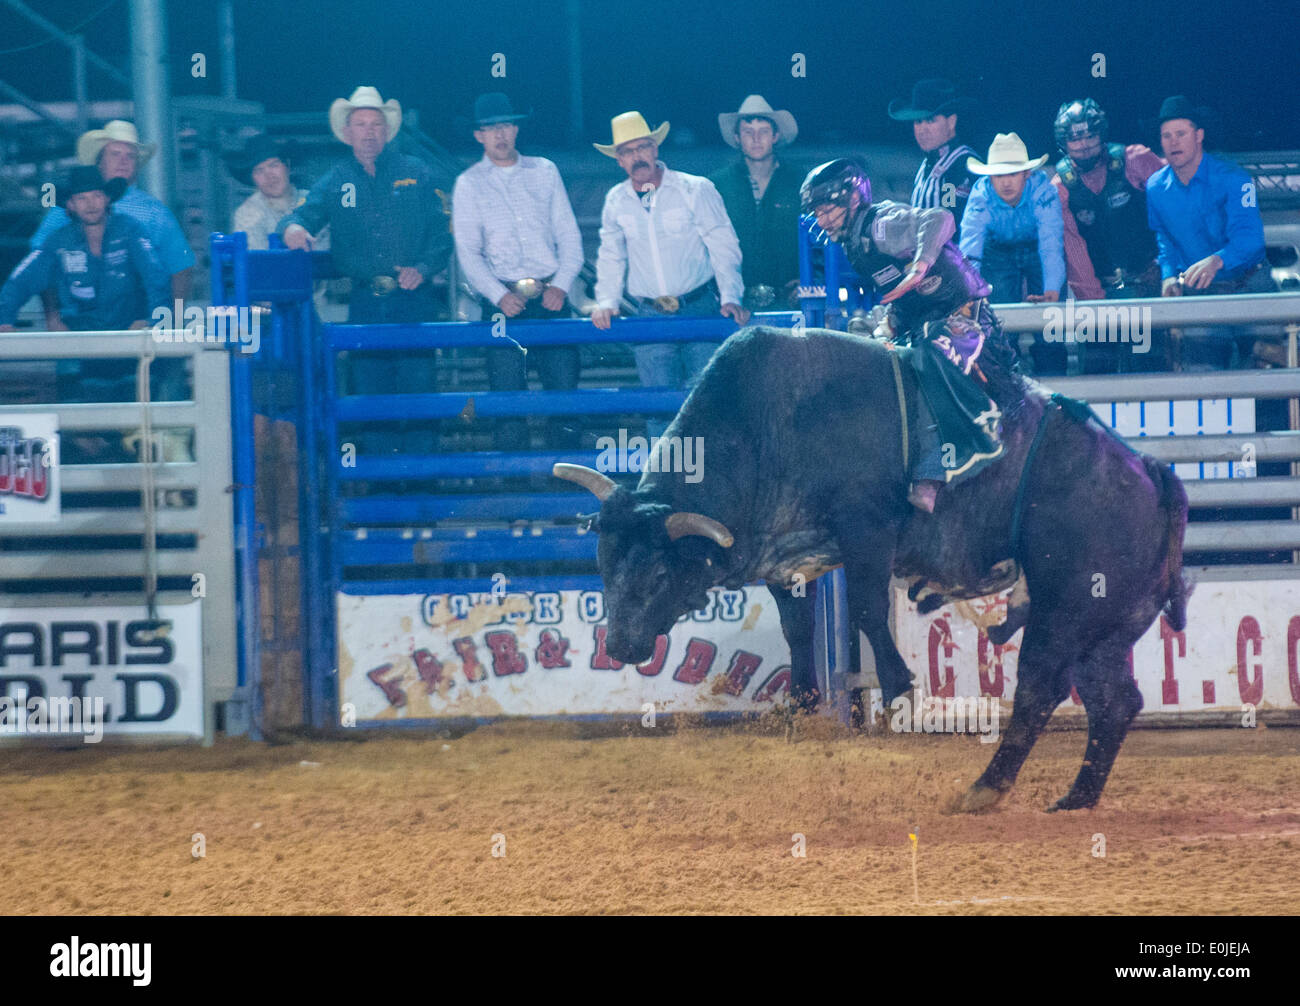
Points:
(626, 652)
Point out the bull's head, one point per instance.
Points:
(657, 564)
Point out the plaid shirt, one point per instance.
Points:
(160, 227)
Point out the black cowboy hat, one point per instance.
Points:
(495, 107)
(86, 178)
(933, 96)
(256, 149)
(1181, 107)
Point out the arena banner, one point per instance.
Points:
(29, 468)
(543, 653)
(101, 670)
(1241, 648)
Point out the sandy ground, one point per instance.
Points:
(624, 819)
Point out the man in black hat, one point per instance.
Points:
(1208, 228)
(519, 247)
(101, 267)
(942, 180)
(262, 165)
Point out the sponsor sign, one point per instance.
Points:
(543, 653)
(29, 468)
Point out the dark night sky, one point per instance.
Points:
(686, 60)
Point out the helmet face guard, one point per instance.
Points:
(834, 183)
(1079, 120)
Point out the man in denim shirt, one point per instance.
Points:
(1014, 232)
(1208, 228)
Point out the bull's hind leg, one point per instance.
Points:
(1112, 700)
(1042, 684)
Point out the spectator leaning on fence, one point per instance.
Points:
(519, 247)
(942, 180)
(1207, 226)
(100, 265)
(1013, 232)
(1110, 251)
(117, 152)
(262, 165)
(666, 235)
(761, 194)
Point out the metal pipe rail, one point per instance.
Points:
(1210, 309)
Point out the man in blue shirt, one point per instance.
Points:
(1014, 232)
(117, 152)
(1208, 228)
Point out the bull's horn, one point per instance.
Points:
(679, 525)
(588, 478)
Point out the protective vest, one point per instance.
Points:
(1113, 222)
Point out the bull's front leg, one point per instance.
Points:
(797, 624)
(868, 578)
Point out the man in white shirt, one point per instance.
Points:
(664, 237)
(520, 249)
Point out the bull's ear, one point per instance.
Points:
(590, 479)
(681, 524)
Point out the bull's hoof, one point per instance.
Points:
(1074, 801)
(978, 799)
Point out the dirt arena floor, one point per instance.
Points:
(667, 820)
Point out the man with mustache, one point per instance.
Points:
(666, 237)
(1208, 228)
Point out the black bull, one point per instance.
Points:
(803, 471)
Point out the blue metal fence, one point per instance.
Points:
(293, 378)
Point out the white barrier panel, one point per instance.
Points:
(29, 468)
(1195, 417)
(542, 653)
(150, 683)
(1241, 647)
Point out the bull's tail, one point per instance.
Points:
(1173, 500)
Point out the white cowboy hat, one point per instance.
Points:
(90, 144)
(1007, 155)
(364, 97)
(628, 127)
(756, 104)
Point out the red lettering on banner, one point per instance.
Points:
(1251, 688)
(743, 666)
(551, 649)
(1169, 686)
(1074, 696)
(776, 681)
(429, 669)
(394, 695)
(994, 685)
(506, 658)
(600, 659)
(694, 667)
(1293, 657)
(468, 653)
(1207, 692)
(941, 635)
(656, 663)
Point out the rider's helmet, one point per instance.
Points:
(1078, 120)
(835, 182)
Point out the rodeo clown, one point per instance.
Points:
(935, 299)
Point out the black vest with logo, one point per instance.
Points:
(948, 284)
(1113, 221)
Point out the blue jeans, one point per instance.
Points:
(1014, 271)
(1210, 347)
(674, 364)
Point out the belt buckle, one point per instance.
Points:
(762, 295)
(669, 305)
(528, 289)
(382, 286)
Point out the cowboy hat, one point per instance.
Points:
(756, 105)
(364, 97)
(85, 178)
(628, 127)
(91, 143)
(1181, 107)
(1007, 155)
(930, 97)
(495, 107)
(258, 148)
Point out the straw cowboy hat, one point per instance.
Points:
(1007, 155)
(756, 104)
(628, 127)
(90, 144)
(364, 97)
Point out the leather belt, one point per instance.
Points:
(528, 289)
(670, 304)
